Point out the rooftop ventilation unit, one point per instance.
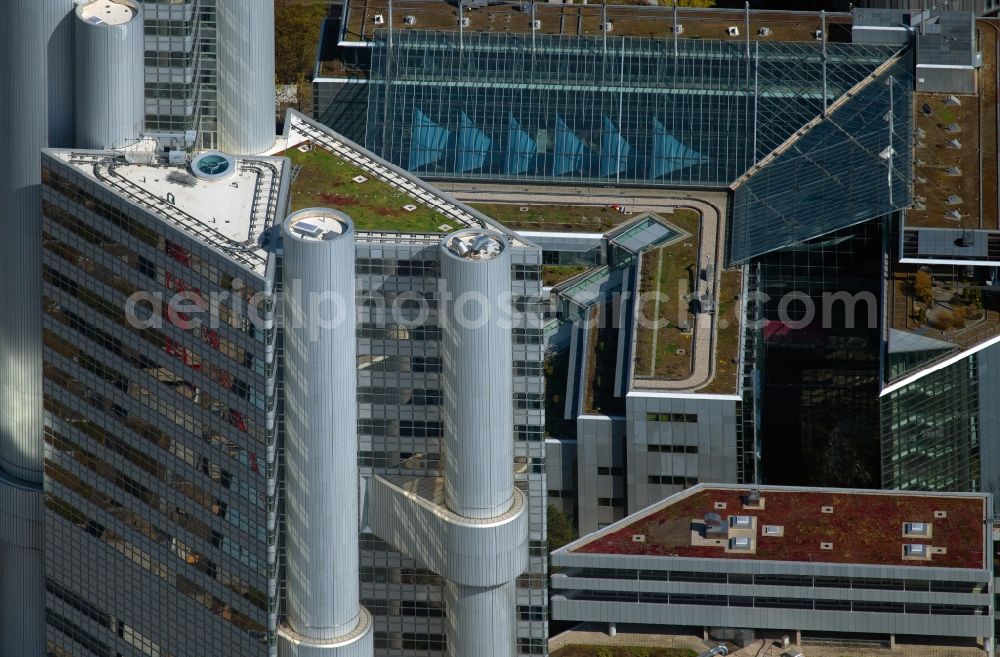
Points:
(740, 543)
(952, 100)
(465, 22)
(606, 27)
(764, 32)
(915, 550)
(741, 522)
(917, 528)
(714, 524)
(379, 19)
(410, 20)
(536, 24)
(677, 29)
(825, 546)
(752, 498)
(638, 538)
(818, 34)
(732, 30)
(773, 530)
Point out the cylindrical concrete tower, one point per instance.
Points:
(109, 73)
(36, 111)
(324, 614)
(478, 379)
(246, 76)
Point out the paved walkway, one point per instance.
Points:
(711, 206)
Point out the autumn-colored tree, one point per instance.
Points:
(297, 25)
(922, 287)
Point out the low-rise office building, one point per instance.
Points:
(819, 563)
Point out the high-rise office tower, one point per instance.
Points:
(183, 351)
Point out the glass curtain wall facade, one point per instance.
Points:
(931, 430)
(180, 62)
(159, 440)
(820, 370)
(502, 106)
(853, 166)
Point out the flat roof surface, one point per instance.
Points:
(106, 12)
(864, 527)
(330, 171)
(229, 215)
(586, 19)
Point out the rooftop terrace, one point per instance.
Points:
(956, 154)
(810, 525)
(228, 212)
(586, 19)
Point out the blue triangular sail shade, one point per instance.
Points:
(428, 141)
(473, 145)
(615, 150)
(567, 152)
(669, 155)
(521, 148)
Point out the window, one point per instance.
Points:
(672, 449)
(610, 501)
(668, 480)
(671, 417)
(614, 472)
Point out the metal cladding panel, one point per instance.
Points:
(246, 76)
(770, 619)
(22, 600)
(468, 553)
(321, 442)
(478, 382)
(21, 514)
(37, 111)
(480, 620)
(109, 81)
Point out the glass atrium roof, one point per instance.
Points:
(616, 109)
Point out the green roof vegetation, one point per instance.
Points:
(556, 274)
(555, 218)
(662, 348)
(602, 360)
(325, 180)
(727, 335)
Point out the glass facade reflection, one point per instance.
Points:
(628, 110)
(159, 441)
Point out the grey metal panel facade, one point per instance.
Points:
(478, 384)
(946, 80)
(706, 427)
(36, 70)
(320, 439)
(246, 120)
(109, 80)
(600, 497)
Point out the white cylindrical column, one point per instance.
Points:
(478, 378)
(246, 76)
(490, 611)
(109, 73)
(320, 440)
